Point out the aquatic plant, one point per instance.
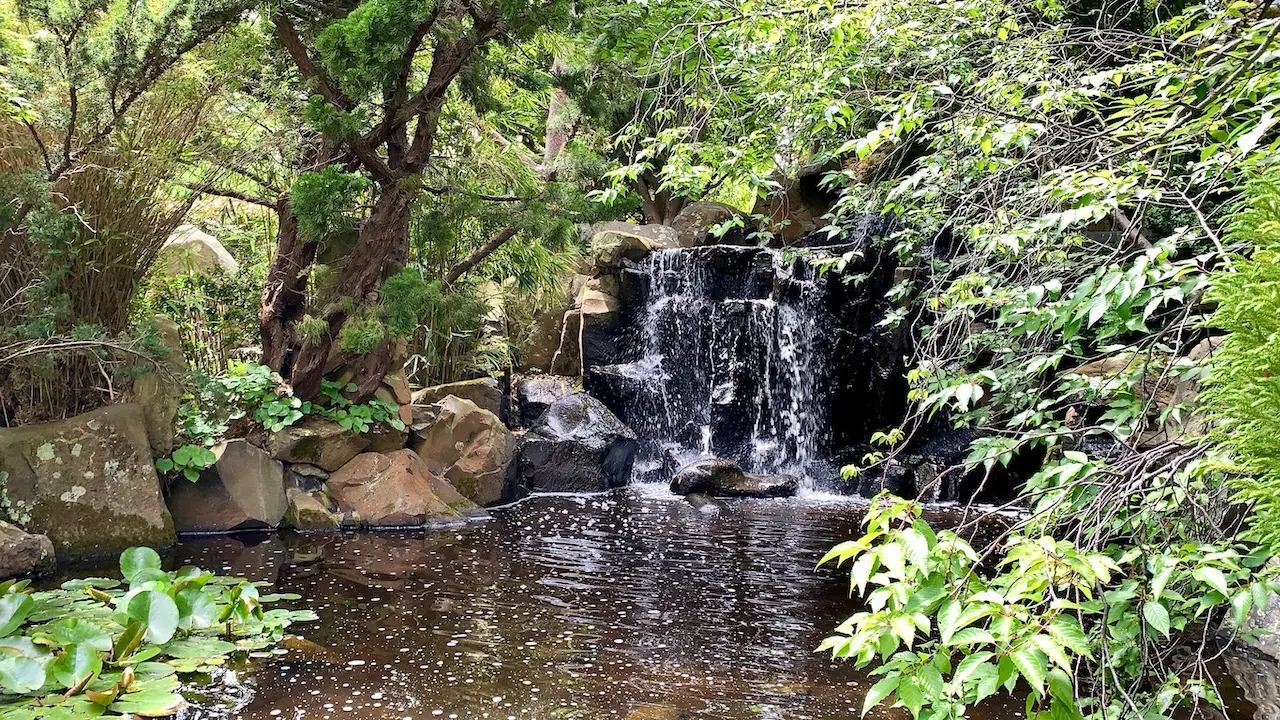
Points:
(101, 647)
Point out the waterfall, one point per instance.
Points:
(729, 361)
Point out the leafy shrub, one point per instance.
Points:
(97, 647)
(945, 636)
(1244, 387)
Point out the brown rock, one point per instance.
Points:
(389, 490)
(484, 392)
(384, 438)
(399, 387)
(87, 482)
(22, 553)
(695, 222)
(611, 247)
(244, 490)
(471, 448)
(316, 441)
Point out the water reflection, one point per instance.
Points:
(627, 605)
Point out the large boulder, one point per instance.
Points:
(22, 553)
(159, 391)
(189, 249)
(536, 393)
(87, 482)
(695, 223)
(243, 490)
(611, 247)
(663, 237)
(797, 209)
(486, 393)
(543, 349)
(389, 490)
(577, 446)
(724, 478)
(316, 441)
(469, 447)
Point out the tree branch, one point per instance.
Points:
(479, 255)
(233, 194)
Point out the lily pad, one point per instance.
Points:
(76, 663)
(198, 648)
(136, 559)
(82, 632)
(13, 612)
(21, 675)
(149, 703)
(158, 612)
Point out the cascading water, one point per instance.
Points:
(728, 362)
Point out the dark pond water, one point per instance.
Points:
(627, 605)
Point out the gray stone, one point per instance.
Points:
(486, 393)
(22, 553)
(87, 482)
(609, 249)
(244, 490)
(316, 441)
(383, 437)
(536, 393)
(310, 511)
(662, 236)
(577, 446)
(724, 478)
(469, 447)
(159, 391)
(190, 250)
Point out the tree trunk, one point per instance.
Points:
(382, 248)
(285, 293)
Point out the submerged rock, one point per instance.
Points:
(705, 504)
(724, 478)
(389, 490)
(87, 482)
(316, 441)
(243, 490)
(310, 511)
(22, 553)
(469, 447)
(577, 446)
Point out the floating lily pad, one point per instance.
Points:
(158, 612)
(82, 632)
(198, 647)
(21, 675)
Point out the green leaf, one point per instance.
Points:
(1212, 577)
(136, 559)
(70, 631)
(948, 616)
(76, 663)
(198, 647)
(879, 692)
(1033, 665)
(1157, 616)
(13, 612)
(196, 609)
(21, 674)
(910, 696)
(149, 703)
(158, 612)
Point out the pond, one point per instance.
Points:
(626, 605)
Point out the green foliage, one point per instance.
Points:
(362, 332)
(216, 312)
(945, 636)
(356, 418)
(97, 647)
(188, 460)
(323, 201)
(405, 297)
(312, 329)
(1244, 393)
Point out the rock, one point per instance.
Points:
(568, 356)
(469, 447)
(309, 471)
(385, 438)
(577, 446)
(695, 222)
(316, 441)
(244, 490)
(159, 391)
(892, 475)
(705, 504)
(189, 250)
(663, 237)
(486, 393)
(399, 388)
(599, 299)
(461, 504)
(536, 393)
(310, 511)
(610, 248)
(389, 490)
(548, 331)
(704, 476)
(799, 209)
(22, 553)
(87, 482)
(724, 478)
